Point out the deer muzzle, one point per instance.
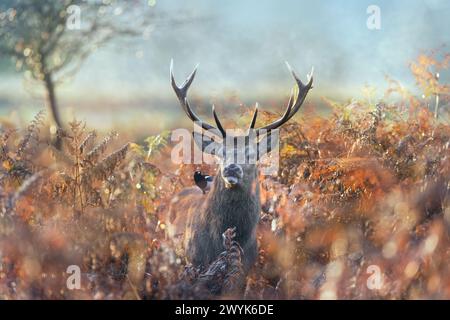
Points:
(231, 175)
(230, 182)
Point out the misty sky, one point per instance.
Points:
(242, 45)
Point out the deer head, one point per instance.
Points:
(238, 154)
(233, 200)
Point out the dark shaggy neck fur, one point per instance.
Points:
(226, 208)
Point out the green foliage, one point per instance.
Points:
(148, 174)
(153, 145)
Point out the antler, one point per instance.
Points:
(292, 106)
(181, 93)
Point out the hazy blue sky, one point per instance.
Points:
(242, 45)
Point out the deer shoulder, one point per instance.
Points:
(181, 205)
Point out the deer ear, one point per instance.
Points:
(207, 144)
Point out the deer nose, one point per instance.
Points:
(231, 174)
(231, 181)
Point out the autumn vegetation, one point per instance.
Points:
(365, 185)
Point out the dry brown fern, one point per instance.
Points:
(83, 170)
(224, 276)
(17, 157)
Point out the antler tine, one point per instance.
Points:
(293, 105)
(255, 114)
(302, 89)
(181, 93)
(283, 119)
(219, 125)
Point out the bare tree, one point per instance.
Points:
(49, 39)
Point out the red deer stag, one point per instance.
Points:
(233, 200)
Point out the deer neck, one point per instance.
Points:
(234, 206)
